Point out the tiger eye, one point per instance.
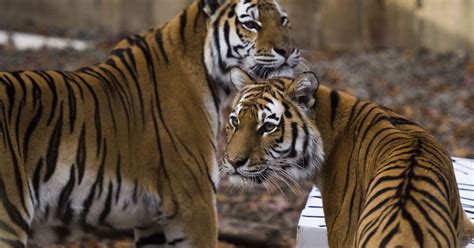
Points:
(251, 25)
(234, 122)
(268, 127)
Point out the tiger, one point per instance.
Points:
(384, 180)
(129, 145)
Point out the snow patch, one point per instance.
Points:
(26, 41)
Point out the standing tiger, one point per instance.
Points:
(130, 143)
(385, 182)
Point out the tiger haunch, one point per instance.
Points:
(385, 181)
(115, 147)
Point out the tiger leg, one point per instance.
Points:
(16, 204)
(192, 227)
(150, 237)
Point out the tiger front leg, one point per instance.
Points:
(16, 206)
(192, 225)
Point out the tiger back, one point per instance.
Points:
(384, 180)
(130, 143)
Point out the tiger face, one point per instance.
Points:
(269, 133)
(254, 35)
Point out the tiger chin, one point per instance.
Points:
(385, 182)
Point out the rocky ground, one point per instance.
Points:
(435, 90)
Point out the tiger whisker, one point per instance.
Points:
(295, 184)
(272, 179)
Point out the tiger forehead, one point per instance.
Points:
(248, 6)
(275, 87)
(262, 97)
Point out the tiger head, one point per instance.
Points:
(269, 133)
(251, 34)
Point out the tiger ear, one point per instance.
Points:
(303, 89)
(211, 6)
(240, 78)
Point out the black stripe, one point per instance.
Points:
(272, 116)
(159, 40)
(334, 105)
(176, 241)
(213, 5)
(90, 197)
(4, 226)
(107, 206)
(222, 65)
(101, 178)
(16, 168)
(212, 84)
(198, 14)
(428, 216)
(135, 192)
(29, 131)
(12, 243)
(389, 236)
(121, 57)
(182, 27)
(288, 113)
(64, 211)
(401, 121)
(36, 180)
(154, 239)
(52, 86)
(415, 227)
(282, 127)
(81, 154)
(108, 90)
(294, 135)
(10, 94)
(118, 175)
(11, 209)
(162, 166)
(97, 123)
(72, 103)
(124, 100)
(53, 150)
(227, 40)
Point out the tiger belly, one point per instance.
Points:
(92, 209)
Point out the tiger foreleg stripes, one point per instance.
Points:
(195, 229)
(16, 208)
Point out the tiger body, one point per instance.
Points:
(109, 148)
(384, 181)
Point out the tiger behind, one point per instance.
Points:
(385, 182)
(130, 143)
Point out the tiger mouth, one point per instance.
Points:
(256, 177)
(262, 72)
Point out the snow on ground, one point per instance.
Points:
(26, 41)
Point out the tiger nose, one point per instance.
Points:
(285, 52)
(238, 162)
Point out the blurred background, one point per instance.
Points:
(414, 56)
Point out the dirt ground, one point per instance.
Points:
(434, 90)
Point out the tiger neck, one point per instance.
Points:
(331, 115)
(167, 63)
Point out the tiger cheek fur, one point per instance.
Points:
(129, 145)
(385, 182)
